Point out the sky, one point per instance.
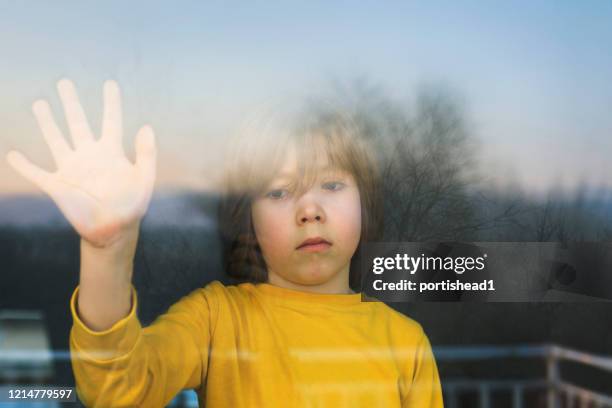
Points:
(535, 77)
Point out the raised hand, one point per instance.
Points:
(95, 186)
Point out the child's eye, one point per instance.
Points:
(277, 194)
(334, 185)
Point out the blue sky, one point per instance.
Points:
(536, 77)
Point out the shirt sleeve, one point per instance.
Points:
(420, 383)
(128, 366)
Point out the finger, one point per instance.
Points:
(23, 166)
(52, 134)
(146, 154)
(112, 119)
(77, 122)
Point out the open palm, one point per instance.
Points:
(95, 186)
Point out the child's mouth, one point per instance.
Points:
(314, 245)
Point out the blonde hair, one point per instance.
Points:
(315, 129)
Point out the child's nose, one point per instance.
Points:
(310, 212)
(306, 219)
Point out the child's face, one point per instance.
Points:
(330, 210)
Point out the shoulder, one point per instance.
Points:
(209, 296)
(402, 328)
(212, 300)
(219, 291)
(408, 342)
(222, 297)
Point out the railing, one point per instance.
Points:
(557, 389)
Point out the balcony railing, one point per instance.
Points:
(559, 392)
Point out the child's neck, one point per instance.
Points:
(337, 285)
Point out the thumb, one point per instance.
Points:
(146, 154)
(28, 170)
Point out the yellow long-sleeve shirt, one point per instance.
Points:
(258, 345)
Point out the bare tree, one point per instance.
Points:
(427, 159)
(563, 219)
